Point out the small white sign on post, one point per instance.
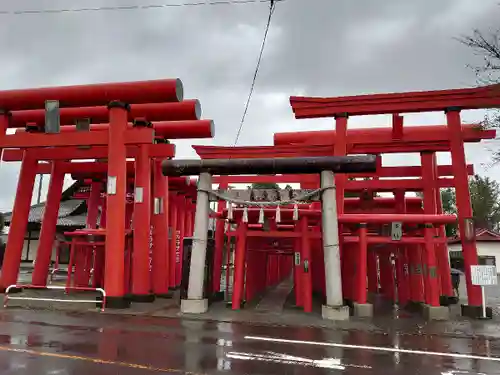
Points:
(139, 192)
(397, 231)
(483, 276)
(297, 258)
(111, 188)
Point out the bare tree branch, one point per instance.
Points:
(488, 47)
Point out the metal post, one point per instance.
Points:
(196, 303)
(40, 184)
(334, 308)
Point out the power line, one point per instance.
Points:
(272, 7)
(129, 7)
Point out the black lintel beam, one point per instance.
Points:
(300, 165)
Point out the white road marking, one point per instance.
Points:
(374, 348)
(330, 363)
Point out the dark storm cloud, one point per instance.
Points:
(341, 47)
(315, 47)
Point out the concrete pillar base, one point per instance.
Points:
(436, 312)
(167, 295)
(415, 307)
(335, 312)
(447, 300)
(117, 303)
(218, 296)
(476, 312)
(194, 306)
(142, 298)
(363, 310)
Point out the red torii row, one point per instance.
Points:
(210, 152)
(449, 101)
(113, 139)
(426, 140)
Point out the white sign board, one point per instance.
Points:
(139, 193)
(111, 189)
(484, 275)
(397, 231)
(297, 259)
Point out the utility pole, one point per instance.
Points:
(40, 183)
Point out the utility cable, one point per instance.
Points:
(272, 7)
(130, 7)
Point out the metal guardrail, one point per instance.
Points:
(7, 297)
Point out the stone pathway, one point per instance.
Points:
(274, 299)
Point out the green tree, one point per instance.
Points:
(448, 200)
(265, 185)
(485, 196)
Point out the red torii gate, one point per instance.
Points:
(211, 152)
(160, 101)
(449, 101)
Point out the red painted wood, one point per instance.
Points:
(165, 129)
(373, 136)
(424, 101)
(164, 90)
(162, 150)
(32, 140)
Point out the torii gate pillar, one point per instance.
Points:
(196, 303)
(334, 308)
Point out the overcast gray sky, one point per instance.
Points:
(315, 47)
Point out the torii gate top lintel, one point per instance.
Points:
(393, 103)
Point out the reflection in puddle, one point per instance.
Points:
(57, 372)
(222, 362)
(397, 358)
(17, 365)
(328, 363)
(18, 340)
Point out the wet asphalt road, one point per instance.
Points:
(57, 343)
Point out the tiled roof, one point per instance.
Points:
(482, 235)
(73, 221)
(66, 208)
(72, 212)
